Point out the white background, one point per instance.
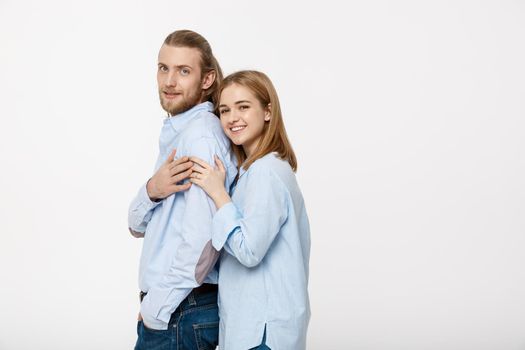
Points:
(407, 118)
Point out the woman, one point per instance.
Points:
(263, 228)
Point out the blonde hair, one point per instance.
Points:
(191, 39)
(274, 137)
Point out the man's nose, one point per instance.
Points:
(170, 80)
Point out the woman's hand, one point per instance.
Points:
(210, 179)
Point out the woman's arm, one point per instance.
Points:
(248, 232)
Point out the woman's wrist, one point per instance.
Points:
(221, 198)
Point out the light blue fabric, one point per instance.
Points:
(263, 273)
(177, 230)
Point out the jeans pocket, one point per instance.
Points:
(152, 339)
(206, 335)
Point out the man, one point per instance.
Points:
(178, 290)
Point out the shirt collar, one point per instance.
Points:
(180, 120)
(241, 171)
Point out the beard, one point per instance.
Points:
(183, 104)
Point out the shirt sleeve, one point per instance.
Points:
(140, 212)
(248, 232)
(195, 257)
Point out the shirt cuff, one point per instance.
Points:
(225, 221)
(150, 320)
(145, 200)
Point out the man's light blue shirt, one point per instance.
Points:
(263, 275)
(177, 254)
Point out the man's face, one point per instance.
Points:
(179, 78)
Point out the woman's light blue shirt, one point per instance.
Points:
(263, 274)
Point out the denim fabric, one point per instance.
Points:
(193, 326)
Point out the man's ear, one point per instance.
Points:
(208, 80)
(268, 113)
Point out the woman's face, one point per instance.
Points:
(242, 117)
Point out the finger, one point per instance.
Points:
(179, 161)
(198, 169)
(219, 163)
(200, 162)
(196, 182)
(181, 176)
(183, 187)
(171, 156)
(180, 168)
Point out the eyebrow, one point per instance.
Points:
(236, 103)
(177, 65)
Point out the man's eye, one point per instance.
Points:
(184, 71)
(163, 68)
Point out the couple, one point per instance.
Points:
(227, 210)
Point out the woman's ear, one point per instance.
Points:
(208, 80)
(268, 112)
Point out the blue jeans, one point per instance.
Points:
(193, 326)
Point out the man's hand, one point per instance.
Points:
(164, 182)
(140, 319)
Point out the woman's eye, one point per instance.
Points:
(242, 108)
(222, 111)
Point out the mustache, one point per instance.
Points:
(170, 91)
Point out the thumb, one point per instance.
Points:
(171, 157)
(219, 163)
